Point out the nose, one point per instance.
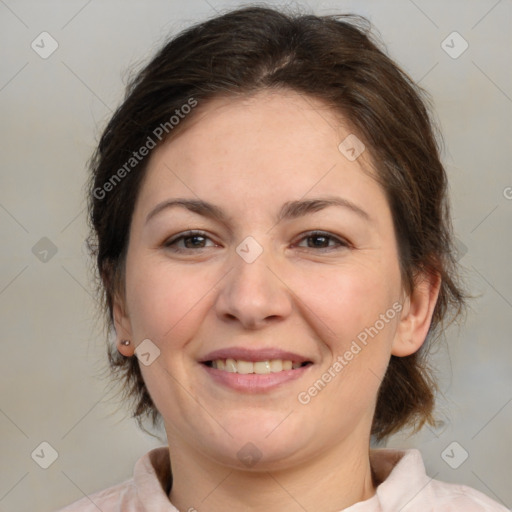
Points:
(253, 294)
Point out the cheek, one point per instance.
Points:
(357, 328)
(348, 299)
(164, 300)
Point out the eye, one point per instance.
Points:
(321, 240)
(188, 241)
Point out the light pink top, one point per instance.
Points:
(405, 487)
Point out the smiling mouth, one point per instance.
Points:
(255, 367)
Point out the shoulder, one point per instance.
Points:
(114, 499)
(452, 497)
(407, 487)
(144, 492)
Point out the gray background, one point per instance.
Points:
(53, 350)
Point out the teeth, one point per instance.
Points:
(231, 366)
(258, 367)
(276, 365)
(261, 367)
(245, 367)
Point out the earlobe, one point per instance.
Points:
(417, 315)
(124, 338)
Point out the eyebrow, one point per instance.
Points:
(289, 210)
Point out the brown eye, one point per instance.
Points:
(190, 240)
(321, 240)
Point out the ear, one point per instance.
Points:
(123, 327)
(416, 316)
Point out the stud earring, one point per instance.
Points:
(125, 342)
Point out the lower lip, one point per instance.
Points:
(253, 382)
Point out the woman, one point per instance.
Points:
(271, 228)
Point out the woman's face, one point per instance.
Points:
(295, 263)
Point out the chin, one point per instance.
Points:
(260, 440)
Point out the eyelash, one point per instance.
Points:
(171, 244)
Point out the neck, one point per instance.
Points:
(330, 482)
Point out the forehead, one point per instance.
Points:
(255, 152)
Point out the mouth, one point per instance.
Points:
(255, 367)
(254, 370)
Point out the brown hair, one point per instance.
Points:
(334, 59)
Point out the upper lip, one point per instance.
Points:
(248, 354)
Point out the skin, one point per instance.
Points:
(249, 156)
